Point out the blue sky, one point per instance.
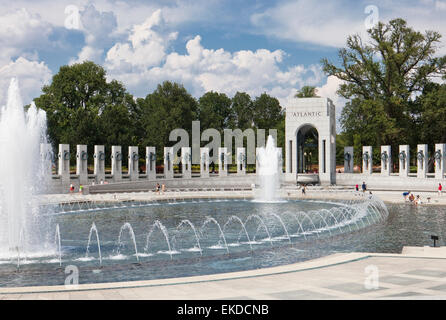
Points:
(223, 45)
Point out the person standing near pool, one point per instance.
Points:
(364, 187)
(440, 188)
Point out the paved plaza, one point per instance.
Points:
(290, 192)
(418, 273)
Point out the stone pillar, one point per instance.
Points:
(440, 158)
(422, 157)
(133, 158)
(241, 161)
(223, 162)
(151, 163)
(46, 155)
(186, 162)
(82, 163)
(204, 162)
(116, 169)
(168, 163)
(64, 163)
(386, 160)
(404, 161)
(99, 163)
(348, 159)
(367, 160)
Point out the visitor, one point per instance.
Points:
(364, 187)
(370, 195)
(417, 200)
(81, 189)
(163, 188)
(440, 187)
(405, 194)
(411, 197)
(357, 187)
(303, 189)
(157, 188)
(71, 188)
(102, 181)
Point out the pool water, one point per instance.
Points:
(199, 237)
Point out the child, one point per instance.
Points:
(418, 200)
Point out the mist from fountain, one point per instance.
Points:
(22, 174)
(269, 172)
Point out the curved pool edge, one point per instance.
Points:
(323, 262)
(333, 261)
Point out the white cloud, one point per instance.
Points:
(98, 28)
(323, 23)
(143, 61)
(32, 76)
(144, 48)
(22, 33)
(329, 23)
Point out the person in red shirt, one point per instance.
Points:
(440, 187)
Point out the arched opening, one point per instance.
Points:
(307, 149)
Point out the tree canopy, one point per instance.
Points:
(382, 79)
(306, 92)
(84, 108)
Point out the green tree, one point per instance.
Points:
(267, 112)
(169, 107)
(119, 120)
(243, 111)
(306, 92)
(214, 111)
(382, 78)
(83, 108)
(432, 114)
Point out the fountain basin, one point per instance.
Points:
(153, 240)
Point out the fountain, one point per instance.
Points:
(269, 171)
(226, 239)
(22, 174)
